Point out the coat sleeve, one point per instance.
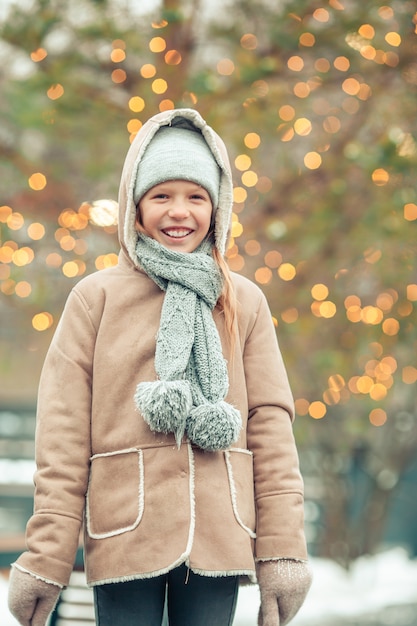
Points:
(277, 480)
(62, 447)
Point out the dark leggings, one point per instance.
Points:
(192, 600)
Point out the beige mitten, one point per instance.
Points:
(283, 585)
(31, 600)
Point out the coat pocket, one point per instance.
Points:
(239, 465)
(115, 495)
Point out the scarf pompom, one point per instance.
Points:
(164, 405)
(214, 426)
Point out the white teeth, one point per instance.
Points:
(177, 233)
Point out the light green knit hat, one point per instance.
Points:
(178, 154)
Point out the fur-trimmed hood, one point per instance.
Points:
(127, 210)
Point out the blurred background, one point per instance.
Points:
(317, 103)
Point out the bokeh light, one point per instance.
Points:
(37, 181)
(316, 105)
(42, 321)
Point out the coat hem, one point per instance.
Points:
(200, 572)
(139, 576)
(262, 559)
(223, 573)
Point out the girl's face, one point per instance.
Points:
(177, 214)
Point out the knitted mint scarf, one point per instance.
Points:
(188, 397)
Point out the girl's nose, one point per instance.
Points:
(178, 210)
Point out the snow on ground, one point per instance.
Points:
(376, 591)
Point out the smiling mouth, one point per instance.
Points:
(177, 233)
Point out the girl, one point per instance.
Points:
(164, 415)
